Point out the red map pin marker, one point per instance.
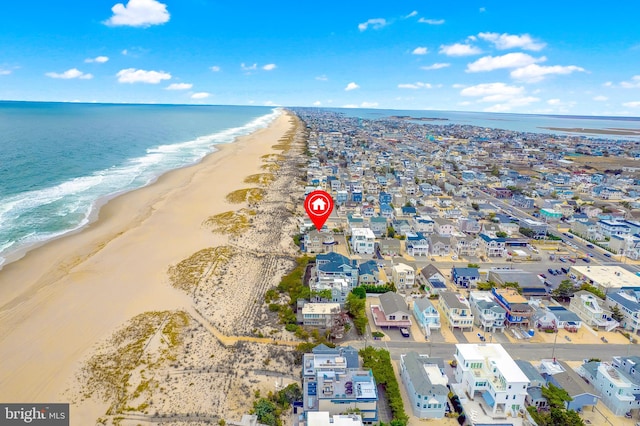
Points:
(319, 206)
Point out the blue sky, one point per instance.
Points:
(563, 57)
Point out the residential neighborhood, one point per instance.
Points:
(479, 238)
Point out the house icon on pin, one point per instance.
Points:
(318, 204)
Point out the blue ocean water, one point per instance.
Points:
(58, 161)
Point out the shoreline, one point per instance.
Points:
(63, 297)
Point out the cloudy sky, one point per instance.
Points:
(563, 57)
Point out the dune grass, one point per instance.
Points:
(263, 179)
(248, 195)
(230, 223)
(187, 273)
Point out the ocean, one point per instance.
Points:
(60, 161)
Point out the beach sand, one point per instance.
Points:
(58, 301)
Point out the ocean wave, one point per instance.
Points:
(32, 217)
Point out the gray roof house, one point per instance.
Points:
(426, 384)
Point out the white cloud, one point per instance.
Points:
(458, 86)
(459, 49)
(322, 78)
(431, 21)
(69, 74)
(179, 86)
(317, 103)
(351, 86)
(412, 14)
(504, 96)
(436, 66)
(554, 102)
(600, 98)
(4, 72)
(420, 51)
(132, 75)
(492, 89)
(139, 13)
(369, 104)
(634, 104)
(510, 60)
(270, 103)
(215, 68)
(269, 67)
(98, 59)
(417, 85)
(375, 24)
(464, 103)
(510, 41)
(200, 95)
(350, 106)
(483, 9)
(248, 68)
(534, 73)
(633, 84)
(125, 52)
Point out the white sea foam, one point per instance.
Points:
(68, 206)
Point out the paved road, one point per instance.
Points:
(528, 351)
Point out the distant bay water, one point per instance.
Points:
(59, 161)
(606, 127)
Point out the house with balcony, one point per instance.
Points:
(487, 313)
(333, 382)
(378, 225)
(628, 301)
(334, 265)
(518, 311)
(608, 228)
(390, 246)
(555, 318)
(456, 310)
(619, 390)
(469, 225)
(391, 312)
(465, 277)
(369, 273)
(591, 309)
(426, 384)
(320, 315)
(488, 372)
(522, 201)
(404, 276)
(465, 245)
(492, 246)
(423, 224)
(440, 245)
(426, 315)
(417, 244)
(362, 240)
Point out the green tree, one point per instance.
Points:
(360, 291)
(527, 232)
(356, 308)
(501, 234)
(555, 395)
(495, 171)
(266, 411)
(391, 232)
(616, 313)
(486, 286)
(514, 285)
(564, 291)
(593, 290)
(475, 206)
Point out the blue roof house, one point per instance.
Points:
(465, 277)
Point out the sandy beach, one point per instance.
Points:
(63, 298)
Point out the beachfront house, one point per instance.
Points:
(426, 384)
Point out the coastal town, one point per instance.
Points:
(476, 238)
(465, 276)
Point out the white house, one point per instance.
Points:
(487, 370)
(403, 276)
(591, 310)
(319, 314)
(362, 240)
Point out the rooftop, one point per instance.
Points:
(609, 276)
(496, 353)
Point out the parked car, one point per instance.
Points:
(543, 275)
(590, 246)
(564, 270)
(563, 260)
(558, 272)
(586, 260)
(404, 332)
(607, 255)
(551, 271)
(569, 235)
(572, 260)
